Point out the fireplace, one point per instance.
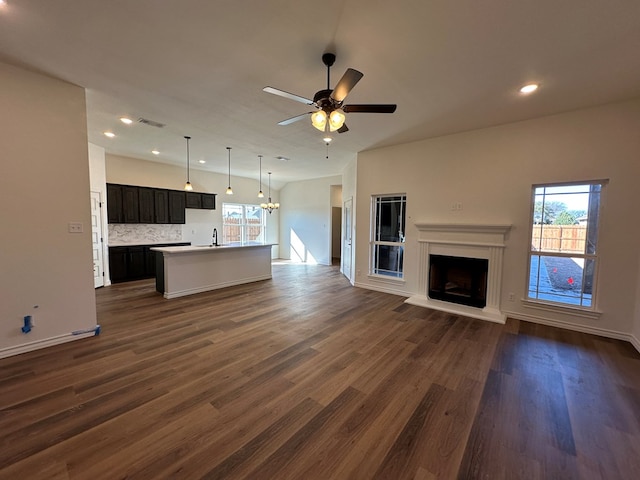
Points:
(460, 280)
(460, 269)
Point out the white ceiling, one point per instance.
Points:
(199, 67)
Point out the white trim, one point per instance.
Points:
(601, 332)
(500, 228)
(635, 342)
(485, 241)
(46, 342)
(215, 286)
(487, 313)
(381, 288)
(563, 309)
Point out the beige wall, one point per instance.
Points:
(43, 187)
(305, 225)
(491, 171)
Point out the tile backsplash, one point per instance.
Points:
(143, 234)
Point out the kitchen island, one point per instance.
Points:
(187, 270)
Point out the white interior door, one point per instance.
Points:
(96, 240)
(346, 258)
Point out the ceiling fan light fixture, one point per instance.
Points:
(336, 119)
(319, 120)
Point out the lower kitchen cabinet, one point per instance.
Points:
(134, 262)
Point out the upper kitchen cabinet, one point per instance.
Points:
(193, 200)
(133, 204)
(161, 205)
(130, 204)
(114, 203)
(146, 205)
(176, 206)
(208, 201)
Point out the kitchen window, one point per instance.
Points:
(243, 224)
(387, 235)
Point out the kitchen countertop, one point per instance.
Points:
(207, 248)
(141, 244)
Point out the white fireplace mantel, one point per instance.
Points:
(462, 240)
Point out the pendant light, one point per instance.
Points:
(229, 191)
(270, 206)
(260, 194)
(187, 186)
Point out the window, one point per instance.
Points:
(564, 258)
(243, 224)
(387, 232)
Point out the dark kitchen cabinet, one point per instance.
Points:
(208, 201)
(130, 204)
(193, 200)
(146, 210)
(133, 204)
(176, 206)
(134, 262)
(118, 264)
(114, 204)
(161, 206)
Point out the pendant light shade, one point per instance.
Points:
(229, 191)
(187, 186)
(260, 194)
(270, 206)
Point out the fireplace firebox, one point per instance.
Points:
(459, 280)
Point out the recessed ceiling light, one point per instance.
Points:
(202, 161)
(109, 134)
(155, 152)
(126, 121)
(530, 88)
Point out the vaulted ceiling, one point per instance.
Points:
(199, 67)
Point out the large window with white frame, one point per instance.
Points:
(388, 234)
(243, 224)
(563, 259)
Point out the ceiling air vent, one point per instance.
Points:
(151, 123)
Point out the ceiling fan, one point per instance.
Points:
(330, 111)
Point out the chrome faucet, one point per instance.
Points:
(215, 237)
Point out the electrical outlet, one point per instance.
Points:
(512, 297)
(75, 227)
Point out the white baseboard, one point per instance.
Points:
(382, 288)
(601, 332)
(47, 342)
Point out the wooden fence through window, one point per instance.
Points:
(559, 238)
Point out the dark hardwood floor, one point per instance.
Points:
(306, 377)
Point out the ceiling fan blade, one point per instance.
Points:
(346, 83)
(380, 108)
(288, 95)
(291, 120)
(343, 128)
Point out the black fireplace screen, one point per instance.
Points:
(459, 280)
